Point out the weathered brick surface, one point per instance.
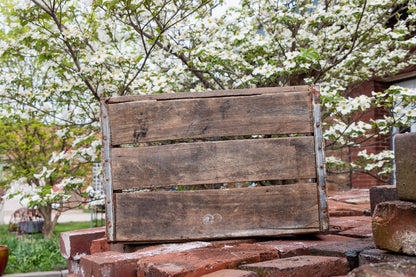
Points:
(353, 226)
(198, 262)
(99, 245)
(364, 231)
(113, 264)
(73, 266)
(75, 244)
(394, 226)
(296, 246)
(355, 202)
(381, 194)
(379, 256)
(402, 269)
(231, 273)
(405, 158)
(348, 249)
(300, 266)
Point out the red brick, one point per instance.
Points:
(231, 273)
(99, 245)
(73, 266)
(113, 263)
(348, 222)
(296, 246)
(353, 196)
(394, 226)
(198, 262)
(402, 269)
(358, 232)
(75, 244)
(338, 208)
(301, 266)
(231, 242)
(348, 249)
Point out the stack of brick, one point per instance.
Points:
(394, 221)
(349, 247)
(330, 254)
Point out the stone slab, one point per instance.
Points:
(198, 262)
(379, 194)
(300, 266)
(299, 245)
(405, 159)
(402, 269)
(348, 249)
(231, 273)
(394, 226)
(379, 256)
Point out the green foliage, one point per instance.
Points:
(31, 253)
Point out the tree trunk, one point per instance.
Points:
(50, 221)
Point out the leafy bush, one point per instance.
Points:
(32, 253)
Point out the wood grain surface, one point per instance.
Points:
(213, 162)
(189, 215)
(264, 114)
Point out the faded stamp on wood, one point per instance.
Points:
(221, 164)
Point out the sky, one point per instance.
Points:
(220, 10)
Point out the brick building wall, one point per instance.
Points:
(362, 180)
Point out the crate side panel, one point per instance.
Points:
(189, 215)
(206, 94)
(151, 120)
(213, 162)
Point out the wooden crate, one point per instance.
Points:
(154, 143)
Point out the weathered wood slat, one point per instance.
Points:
(177, 216)
(151, 120)
(213, 162)
(206, 94)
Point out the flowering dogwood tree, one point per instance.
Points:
(78, 51)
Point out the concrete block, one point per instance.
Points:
(300, 266)
(394, 226)
(198, 262)
(402, 269)
(405, 157)
(379, 194)
(347, 249)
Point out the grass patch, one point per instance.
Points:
(32, 253)
(69, 226)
